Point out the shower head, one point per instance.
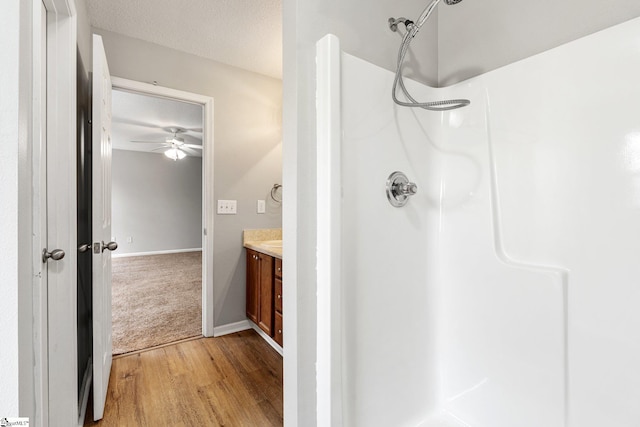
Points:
(427, 11)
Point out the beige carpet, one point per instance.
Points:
(156, 299)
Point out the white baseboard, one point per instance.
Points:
(169, 251)
(267, 338)
(231, 328)
(243, 325)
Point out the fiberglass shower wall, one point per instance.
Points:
(505, 293)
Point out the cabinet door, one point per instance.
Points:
(278, 302)
(277, 330)
(253, 275)
(265, 303)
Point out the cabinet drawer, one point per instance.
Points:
(277, 336)
(279, 268)
(278, 302)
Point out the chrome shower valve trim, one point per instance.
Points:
(399, 189)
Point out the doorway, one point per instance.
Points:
(206, 218)
(156, 220)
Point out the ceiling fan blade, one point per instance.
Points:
(131, 122)
(164, 147)
(149, 142)
(181, 129)
(189, 151)
(197, 147)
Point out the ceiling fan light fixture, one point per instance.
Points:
(175, 154)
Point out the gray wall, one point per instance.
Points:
(156, 201)
(479, 36)
(247, 146)
(364, 31)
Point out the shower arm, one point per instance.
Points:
(393, 23)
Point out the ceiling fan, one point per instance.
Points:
(175, 147)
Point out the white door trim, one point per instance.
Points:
(208, 202)
(60, 386)
(34, 341)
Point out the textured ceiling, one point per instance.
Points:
(243, 33)
(147, 118)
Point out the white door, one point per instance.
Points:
(101, 228)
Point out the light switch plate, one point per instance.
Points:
(261, 206)
(227, 207)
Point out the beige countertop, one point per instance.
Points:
(267, 241)
(268, 249)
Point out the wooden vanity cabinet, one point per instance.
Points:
(260, 290)
(264, 293)
(277, 327)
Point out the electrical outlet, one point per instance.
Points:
(227, 207)
(261, 206)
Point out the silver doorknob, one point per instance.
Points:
(112, 246)
(84, 248)
(56, 255)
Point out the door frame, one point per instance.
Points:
(53, 328)
(208, 201)
(33, 347)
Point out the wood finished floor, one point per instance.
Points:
(233, 380)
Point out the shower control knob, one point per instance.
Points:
(399, 189)
(408, 189)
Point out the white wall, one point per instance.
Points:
(156, 201)
(9, 126)
(478, 36)
(247, 141)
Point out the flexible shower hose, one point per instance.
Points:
(412, 30)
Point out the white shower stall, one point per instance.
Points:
(506, 293)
